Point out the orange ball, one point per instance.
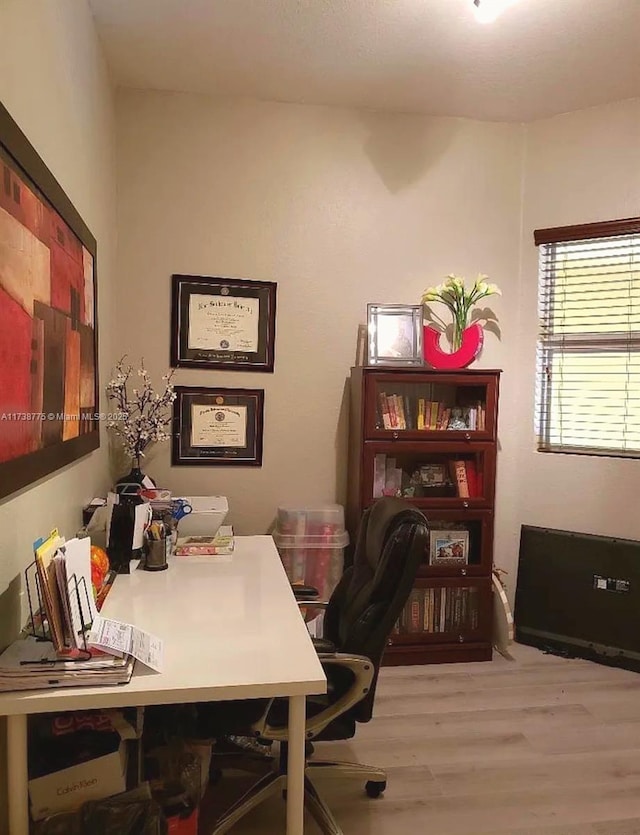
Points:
(99, 567)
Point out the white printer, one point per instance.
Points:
(207, 514)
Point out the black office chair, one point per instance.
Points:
(359, 617)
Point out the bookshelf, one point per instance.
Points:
(431, 437)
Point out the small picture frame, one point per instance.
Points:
(217, 426)
(394, 334)
(223, 323)
(432, 475)
(448, 547)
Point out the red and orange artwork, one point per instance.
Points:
(47, 338)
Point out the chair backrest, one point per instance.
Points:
(392, 542)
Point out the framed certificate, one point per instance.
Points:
(217, 426)
(223, 323)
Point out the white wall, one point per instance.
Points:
(339, 207)
(54, 83)
(579, 167)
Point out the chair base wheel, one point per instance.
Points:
(374, 788)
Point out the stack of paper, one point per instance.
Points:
(31, 664)
(220, 544)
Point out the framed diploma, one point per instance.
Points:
(217, 426)
(223, 323)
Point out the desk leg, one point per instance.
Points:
(17, 775)
(295, 766)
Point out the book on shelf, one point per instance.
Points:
(379, 475)
(415, 603)
(467, 477)
(460, 475)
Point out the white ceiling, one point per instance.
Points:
(540, 57)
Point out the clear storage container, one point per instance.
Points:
(311, 543)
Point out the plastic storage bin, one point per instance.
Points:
(311, 543)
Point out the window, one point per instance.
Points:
(588, 359)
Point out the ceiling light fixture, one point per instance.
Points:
(487, 11)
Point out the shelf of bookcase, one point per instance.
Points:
(479, 557)
(411, 457)
(407, 403)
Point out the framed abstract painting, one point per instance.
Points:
(48, 320)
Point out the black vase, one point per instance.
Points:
(134, 476)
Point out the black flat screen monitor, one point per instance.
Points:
(579, 594)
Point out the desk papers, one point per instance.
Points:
(119, 638)
(31, 664)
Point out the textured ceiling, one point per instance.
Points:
(539, 58)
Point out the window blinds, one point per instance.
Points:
(588, 355)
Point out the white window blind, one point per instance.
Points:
(588, 358)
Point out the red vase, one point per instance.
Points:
(472, 339)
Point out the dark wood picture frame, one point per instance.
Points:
(49, 360)
(216, 349)
(218, 403)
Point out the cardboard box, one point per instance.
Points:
(66, 790)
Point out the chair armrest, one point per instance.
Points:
(305, 592)
(313, 604)
(323, 646)
(363, 672)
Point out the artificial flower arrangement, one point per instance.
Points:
(460, 300)
(144, 413)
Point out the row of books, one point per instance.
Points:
(397, 411)
(437, 610)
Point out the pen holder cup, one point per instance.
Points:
(156, 555)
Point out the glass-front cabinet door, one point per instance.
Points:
(413, 406)
(460, 543)
(459, 611)
(430, 475)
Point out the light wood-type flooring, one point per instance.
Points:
(539, 745)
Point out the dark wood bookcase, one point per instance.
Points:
(431, 437)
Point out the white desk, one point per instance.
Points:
(231, 630)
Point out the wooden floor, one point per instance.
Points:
(535, 746)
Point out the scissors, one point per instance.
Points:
(180, 509)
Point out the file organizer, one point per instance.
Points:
(311, 543)
(38, 626)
